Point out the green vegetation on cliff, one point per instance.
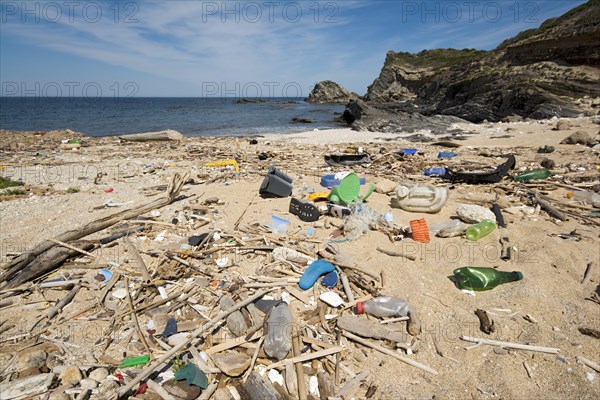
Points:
(438, 58)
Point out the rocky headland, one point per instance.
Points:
(551, 71)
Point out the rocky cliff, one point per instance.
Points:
(329, 92)
(540, 73)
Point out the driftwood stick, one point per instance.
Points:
(350, 388)
(58, 307)
(45, 285)
(511, 345)
(298, 294)
(109, 285)
(42, 264)
(354, 267)
(66, 300)
(136, 323)
(253, 360)
(231, 343)
(68, 246)
(200, 363)
(83, 394)
(299, 368)
(346, 286)
(209, 391)
(528, 369)
(389, 352)
(439, 351)
(237, 223)
(589, 363)
(550, 209)
(209, 325)
(396, 254)
(136, 254)
(588, 274)
(159, 390)
(308, 357)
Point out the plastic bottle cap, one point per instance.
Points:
(360, 307)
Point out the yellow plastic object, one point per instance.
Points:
(318, 196)
(224, 163)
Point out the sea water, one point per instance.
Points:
(105, 116)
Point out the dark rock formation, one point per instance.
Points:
(538, 74)
(329, 92)
(297, 120)
(364, 117)
(249, 101)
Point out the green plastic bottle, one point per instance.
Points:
(481, 278)
(541, 173)
(477, 231)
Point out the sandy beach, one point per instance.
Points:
(548, 308)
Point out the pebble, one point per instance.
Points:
(88, 383)
(36, 360)
(177, 338)
(563, 125)
(579, 137)
(59, 395)
(472, 214)
(548, 163)
(108, 389)
(501, 351)
(59, 369)
(232, 364)
(26, 387)
(275, 377)
(160, 321)
(590, 376)
(120, 293)
(385, 186)
(70, 376)
(99, 374)
(562, 358)
(182, 390)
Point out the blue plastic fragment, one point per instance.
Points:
(329, 181)
(408, 151)
(107, 274)
(435, 171)
(313, 272)
(446, 154)
(171, 328)
(330, 280)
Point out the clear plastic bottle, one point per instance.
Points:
(278, 342)
(477, 231)
(585, 197)
(450, 229)
(385, 306)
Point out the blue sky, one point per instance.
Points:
(239, 48)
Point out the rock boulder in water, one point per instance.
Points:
(329, 92)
